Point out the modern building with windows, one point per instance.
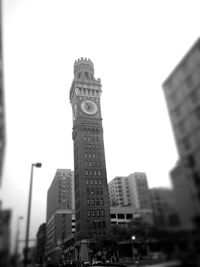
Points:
(92, 209)
(182, 93)
(60, 212)
(130, 191)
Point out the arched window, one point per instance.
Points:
(86, 74)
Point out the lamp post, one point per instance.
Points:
(37, 165)
(17, 237)
(133, 239)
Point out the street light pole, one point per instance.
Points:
(37, 165)
(133, 249)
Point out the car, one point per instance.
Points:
(111, 264)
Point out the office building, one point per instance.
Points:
(182, 95)
(91, 190)
(60, 212)
(130, 191)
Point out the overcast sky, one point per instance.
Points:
(134, 46)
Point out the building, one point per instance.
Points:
(164, 209)
(91, 190)
(123, 215)
(2, 109)
(130, 191)
(5, 218)
(40, 245)
(60, 213)
(182, 95)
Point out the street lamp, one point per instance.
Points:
(17, 237)
(133, 239)
(37, 165)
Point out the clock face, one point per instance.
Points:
(89, 107)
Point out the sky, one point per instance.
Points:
(134, 46)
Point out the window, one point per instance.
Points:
(129, 216)
(86, 172)
(88, 201)
(95, 181)
(101, 191)
(90, 163)
(88, 191)
(120, 216)
(101, 201)
(90, 155)
(86, 74)
(85, 138)
(99, 172)
(97, 201)
(100, 182)
(85, 155)
(93, 155)
(93, 213)
(93, 202)
(89, 213)
(92, 191)
(102, 213)
(98, 213)
(79, 75)
(86, 163)
(91, 181)
(97, 191)
(95, 172)
(87, 181)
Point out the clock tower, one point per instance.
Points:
(92, 211)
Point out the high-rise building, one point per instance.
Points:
(182, 95)
(130, 191)
(91, 190)
(60, 212)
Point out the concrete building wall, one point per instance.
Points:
(182, 95)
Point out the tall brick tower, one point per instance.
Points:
(92, 211)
